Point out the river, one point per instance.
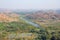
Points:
(32, 23)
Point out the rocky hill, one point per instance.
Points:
(8, 17)
(44, 15)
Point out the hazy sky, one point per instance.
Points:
(30, 4)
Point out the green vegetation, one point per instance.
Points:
(7, 28)
(22, 30)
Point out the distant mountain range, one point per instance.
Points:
(47, 14)
(13, 14)
(27, 11)
(58, 11)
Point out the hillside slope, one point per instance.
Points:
(7, 17)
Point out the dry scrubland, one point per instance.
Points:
(14, 28)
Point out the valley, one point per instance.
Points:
(29, 25)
